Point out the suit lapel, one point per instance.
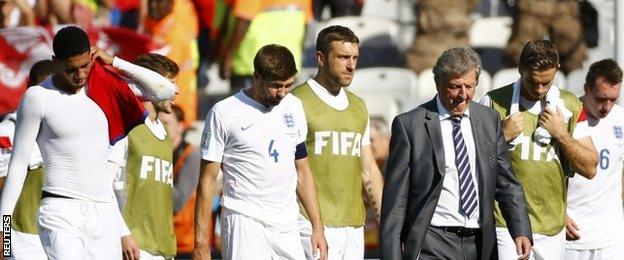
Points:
(432, 123)
(480, 148)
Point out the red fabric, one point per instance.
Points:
(20, 48)
(125, 5)
(122, 108)
(582, 116)
(122, 42)
(23, 46)
(206, 12)
(5, 142)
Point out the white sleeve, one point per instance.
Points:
(29, 114)
(155, 85)
(5, 157)
(213, 137)
(7, 130)
(366, 137)
(117, 158)
(123, 228)
(118, 153)
(303, 124)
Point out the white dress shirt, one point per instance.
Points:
(447, 211)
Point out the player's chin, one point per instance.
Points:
(275, 102)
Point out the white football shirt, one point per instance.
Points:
(596, 205)
(256, 148)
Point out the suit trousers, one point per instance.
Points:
(441, 244)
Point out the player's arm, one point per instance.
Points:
(241, 26)
(153, 85)
(372, 181)
(306, 191)
(203, 208)
(30, 114)
(580, 152)
(117, 159)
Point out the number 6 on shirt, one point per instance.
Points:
(273, 152)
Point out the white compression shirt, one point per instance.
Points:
(72, 133)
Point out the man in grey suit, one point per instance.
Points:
(448, 164)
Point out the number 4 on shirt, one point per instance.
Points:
(273, 152)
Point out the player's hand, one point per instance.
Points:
(572, 230)
(319, 244)
(551, 119)
(523, 247)
(96, 52)
(130, 248)
(201, 253)
(513, 126)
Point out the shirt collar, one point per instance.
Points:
(322, 90)
(445, 114)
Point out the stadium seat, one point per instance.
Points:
(377, 35)
(381, 105)
(488, 37)
(426, 86)
(396, 82)
(576, 80)
(490, 32)
(485, 85)
(505, 77)
(382, 8)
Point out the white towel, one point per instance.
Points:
(552, 100)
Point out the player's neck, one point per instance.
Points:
(326, 82)
(64, 84)
(254, 94)
(152, 114)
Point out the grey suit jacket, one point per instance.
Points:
(414, 174)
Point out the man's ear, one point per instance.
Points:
(320, 58)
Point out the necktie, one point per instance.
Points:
(467, 193)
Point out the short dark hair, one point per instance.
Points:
(539, 55)
(158, 63)
(69, 42)
(608, 69)
(40, 71)
(332, 34)
(456, 62)
(274, 62)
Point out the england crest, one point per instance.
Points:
(289, 120)
(617, 131)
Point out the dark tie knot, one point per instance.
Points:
(456, 120)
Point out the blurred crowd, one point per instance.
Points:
(197, 34)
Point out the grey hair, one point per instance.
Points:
(455, 62)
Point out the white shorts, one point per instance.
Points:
(144, 255)
(76, 229)
(247, 238)
(544, 247)
(26, 246)
(605, 253)
(343, 242)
